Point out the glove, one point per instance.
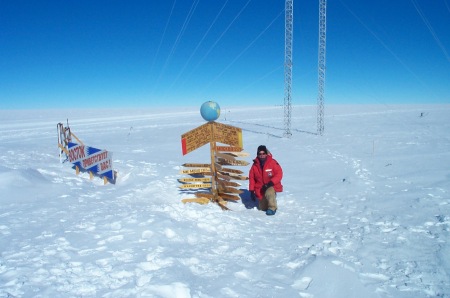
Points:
(252, 195)
(266, 186)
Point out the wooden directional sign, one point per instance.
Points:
(196, 138)
(227, 134)
(219, 182)
(195, 171)
(206, 179)
(230, 189)
(225, 156)
(234, 171)
(228, 162)
(204, 195)
(203, 185)
(196, 165)
(196, 200)
(239, 154)
(211, 132)
(227, 176)
(229, 197)
(228, 183)
(228, 149)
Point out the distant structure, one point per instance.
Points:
(321, 64)
(288, 67)
(289, 20)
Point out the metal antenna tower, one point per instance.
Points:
(288, 66)
(321, 67)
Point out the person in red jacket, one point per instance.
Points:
(265, 180)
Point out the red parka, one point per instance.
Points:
(258, 177)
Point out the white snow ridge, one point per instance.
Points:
(365, 210)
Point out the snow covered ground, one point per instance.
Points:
(365, 211)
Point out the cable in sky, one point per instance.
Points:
(198, 45)
(384, 45)
(244, 50)
(446, 5)
(430, 28)
(281, 66)
(218, 39)
(180, 34)
(163, 36)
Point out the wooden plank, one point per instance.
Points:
(227, 134)
(201, 185)
(206, 179)
(229, 197)
(196, 165)
(239, 154)
(227, 162)
(228, 183)
(234, 171)
(234, 177)
(230, 190)
(222, 205)
(217, 166)
(196, 138)
(229, 148)
(195, 171)
(224, 176)
(196, 200)
(204, 195)
(225, 156)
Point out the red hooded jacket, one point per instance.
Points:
(258, 177)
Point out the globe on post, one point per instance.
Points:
(210, 111)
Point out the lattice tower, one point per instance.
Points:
(321, 65)
(288, 67)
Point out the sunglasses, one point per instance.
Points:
(262, 153)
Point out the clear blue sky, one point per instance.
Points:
(88, 53)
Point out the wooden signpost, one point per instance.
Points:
(212, 179)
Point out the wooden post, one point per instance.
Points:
(212, 148)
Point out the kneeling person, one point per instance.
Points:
(265, 180)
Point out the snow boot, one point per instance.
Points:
(270, 212)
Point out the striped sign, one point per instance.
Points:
(91, 159)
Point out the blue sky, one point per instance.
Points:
(102, 54)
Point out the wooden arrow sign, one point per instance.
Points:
(196, 200)
(196, 138)
(195, 171)
(204, 195)
(228, 183)
(229, 197)
(228, 149)
(227, 134)
(236, 177)
(202, 185)
(196, 165)
(239, 154)
(227, 162)
(206, 179)
(225, 156)
(230, 190)
(234, 171)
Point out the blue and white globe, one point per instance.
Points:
(210, 111)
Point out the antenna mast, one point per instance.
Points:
(321, 64)
(288, 67)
